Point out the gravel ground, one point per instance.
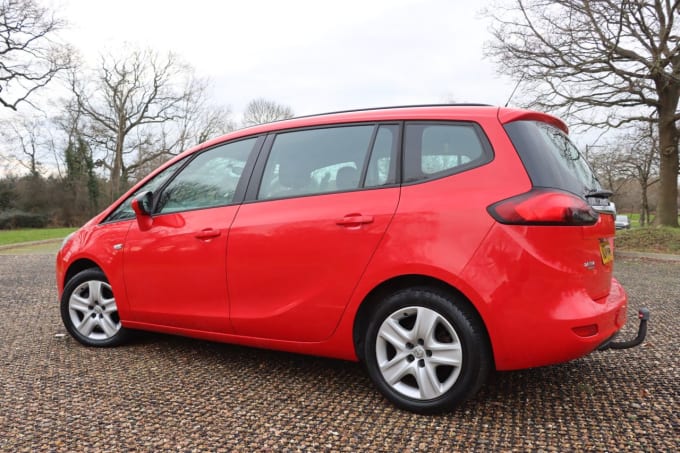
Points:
(168, 393)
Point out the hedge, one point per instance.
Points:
(20, 219)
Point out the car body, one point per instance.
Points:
(622, 222)
(433, 243)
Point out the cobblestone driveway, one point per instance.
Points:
(167, 393)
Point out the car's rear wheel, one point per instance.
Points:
(89, 310)
(426, 351)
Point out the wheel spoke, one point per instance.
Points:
(446, 354)
(95, 287)
(78, 303)
(109, 305)
(394, 370)
(426, 321)
(87, 325)
(428, 384)
(109, 327)
(392, 332)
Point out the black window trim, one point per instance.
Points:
(393, 176)
(369, 154)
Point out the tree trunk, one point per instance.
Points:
(644, 214)
(117, 168)
(667, 207)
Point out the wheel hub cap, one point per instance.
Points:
(419, 353)
(93, 311)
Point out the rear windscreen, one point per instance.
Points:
(551, 159)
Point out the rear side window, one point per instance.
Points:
(440, 149)
(551, 159)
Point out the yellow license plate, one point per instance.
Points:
(606, 252)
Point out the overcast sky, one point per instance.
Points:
(314, 56)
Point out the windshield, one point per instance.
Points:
(551, 159)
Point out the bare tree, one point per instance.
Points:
(27, 143)
(634, 156)
(641, 163)
(29, 55)
(199, 120)
(604, 63)
(122, 103)
(608, 162)
(260, 111)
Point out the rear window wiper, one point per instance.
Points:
(599, 193)
(601, 203)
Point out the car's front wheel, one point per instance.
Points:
(425, 350)
(89, 310)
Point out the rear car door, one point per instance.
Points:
(321, 206)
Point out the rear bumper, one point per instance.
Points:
(546, 295)
(569, 329)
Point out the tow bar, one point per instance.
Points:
(643, 315)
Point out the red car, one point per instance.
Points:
(432, 243)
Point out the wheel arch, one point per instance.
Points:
(78, 266)
(373, 298)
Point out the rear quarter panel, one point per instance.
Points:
(439, 224)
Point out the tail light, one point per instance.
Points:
(544, 207)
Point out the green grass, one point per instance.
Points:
(32, 234)
(634, 219)
(649, 239)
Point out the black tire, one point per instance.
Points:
(436, 355)
(89, 311)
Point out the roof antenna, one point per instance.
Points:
(515, 89)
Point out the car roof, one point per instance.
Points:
(443, 112)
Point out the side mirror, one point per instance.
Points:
(142, 205)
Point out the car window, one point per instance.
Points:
(434, 150)
(124, 210)
(381, 167)
(316, 161)
(209, 180)
(550, 158)
(567, 155)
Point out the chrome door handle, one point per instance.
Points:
(354, 220)
(207, 233)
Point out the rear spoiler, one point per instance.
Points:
(506, 115)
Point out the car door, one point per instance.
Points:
(297, 251)
(175, 270)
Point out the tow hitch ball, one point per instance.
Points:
(643, 315)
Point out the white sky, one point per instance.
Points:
(314, 56)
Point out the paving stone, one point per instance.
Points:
(176, 394)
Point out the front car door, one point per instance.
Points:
(175, 270)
